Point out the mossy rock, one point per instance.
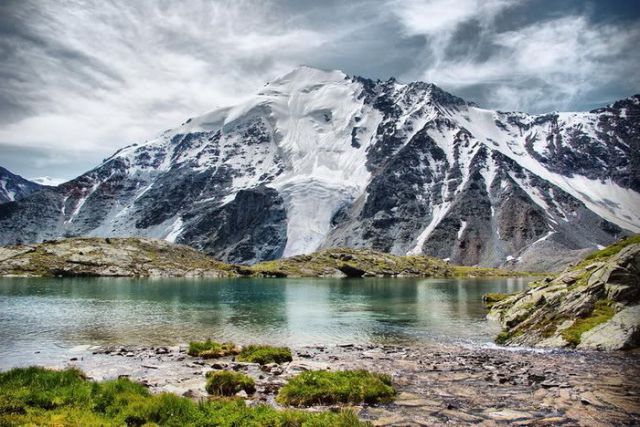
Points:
(339, 387)
(491, 298)
(602, 312)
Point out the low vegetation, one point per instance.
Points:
(264, 354)
(210, 349)
(328, 388)
(228, 383)
(37, 396)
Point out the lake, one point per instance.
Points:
(41, 319)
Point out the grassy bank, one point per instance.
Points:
(37, 396)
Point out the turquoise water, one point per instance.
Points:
(48, 314)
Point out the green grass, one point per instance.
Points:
(228, 383)
(38, 397)
(328, 388)
(264, 354)
(602, 312)
(210, 349)
(611, 250)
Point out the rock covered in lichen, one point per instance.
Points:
(594, 305)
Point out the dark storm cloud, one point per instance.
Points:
(79, 79)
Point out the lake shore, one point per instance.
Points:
(437, 383)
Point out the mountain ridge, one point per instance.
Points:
(320, 159)
(14, 187)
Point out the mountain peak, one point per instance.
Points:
(304, 75)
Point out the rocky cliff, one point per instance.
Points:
(594, 305)
(319, 159)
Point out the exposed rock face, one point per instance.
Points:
(250, 228)
(14, 187)
(110, 257)
(319, 159)
(595, 305)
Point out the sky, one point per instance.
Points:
(80, 79)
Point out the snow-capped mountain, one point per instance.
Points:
(14, 187)
(320, 159)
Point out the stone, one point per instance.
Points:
(508, 415)
(622, 332)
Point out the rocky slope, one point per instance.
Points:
(14, 187)
(126, 257)
(594, 305)
(320, 159)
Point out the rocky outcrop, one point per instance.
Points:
(116, 257)
(594, 305)
(345, 262)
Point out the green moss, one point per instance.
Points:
(228, 383)
(502, 337)
(328, 388)
(210, 349)
(264, 354)
(37, 396)
(491, 298)
(602, 312)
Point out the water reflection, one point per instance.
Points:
(70, 312)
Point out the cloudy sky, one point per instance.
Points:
(80, 79)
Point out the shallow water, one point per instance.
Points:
(44, 318)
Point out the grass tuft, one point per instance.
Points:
(228, 383)
(210, 349)
(328, 388)
(264, 354)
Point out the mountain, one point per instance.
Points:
(320, 159)
(14, 187)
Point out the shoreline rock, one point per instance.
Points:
(594, 305)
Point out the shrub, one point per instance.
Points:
(228, 383)
(264, 354)
(210, 349)
(328, 388)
